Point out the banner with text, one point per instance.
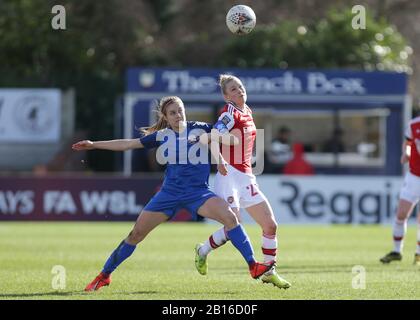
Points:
(62, 198)
(295, 199)
(331, 199)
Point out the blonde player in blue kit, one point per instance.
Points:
(185, 186)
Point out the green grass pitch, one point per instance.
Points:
(317, 260)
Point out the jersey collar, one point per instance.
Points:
(237, 108)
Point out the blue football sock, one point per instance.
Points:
(241, 241)
(123, 251)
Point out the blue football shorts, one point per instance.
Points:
(170, 203)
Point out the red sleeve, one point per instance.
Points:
(222, 109)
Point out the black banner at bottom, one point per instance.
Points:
(199, 309)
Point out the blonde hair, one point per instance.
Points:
(224, 79)
(161, 110)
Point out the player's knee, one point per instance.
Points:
(230, 220)
(135, 237)
(270, 228)
(403, 214)
(404, 210)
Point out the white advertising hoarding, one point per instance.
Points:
(330, 199)
(30, 115)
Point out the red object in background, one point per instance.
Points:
(298, 164)
(182, 216)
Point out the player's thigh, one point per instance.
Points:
(405, 208)
(249, 191)
(263, 214)
(217, 209)
(409, 196)
(146, 222)
(225, 188)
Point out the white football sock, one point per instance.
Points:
(216, 240)
(269, 247)
(398, 232)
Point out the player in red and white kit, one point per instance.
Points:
(235, 181)
(409, 194)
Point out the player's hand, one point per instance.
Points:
(204, 138)
(222, 167)
(193, 139)
(404, 158)
(83, 145)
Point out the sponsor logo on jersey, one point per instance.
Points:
(226, 120)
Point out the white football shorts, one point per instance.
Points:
(238, 189)
(410, 190)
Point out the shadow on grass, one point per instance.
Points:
(214, 293)
(138, 292)
(310, 268)
(44, 294)
(92, 294)
(71, 293)
(186, 292)
(296, 269)
(336, 268)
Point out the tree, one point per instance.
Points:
(91, 55)
(327, 43)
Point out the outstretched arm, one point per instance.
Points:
(113, 145)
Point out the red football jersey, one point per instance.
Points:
(241, 124)
(413, 134)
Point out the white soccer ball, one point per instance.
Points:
(241, 19)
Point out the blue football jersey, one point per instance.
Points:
(187, 160)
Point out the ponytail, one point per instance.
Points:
(159, 125)
(161, 110)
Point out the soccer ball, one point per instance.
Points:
(241, 19)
